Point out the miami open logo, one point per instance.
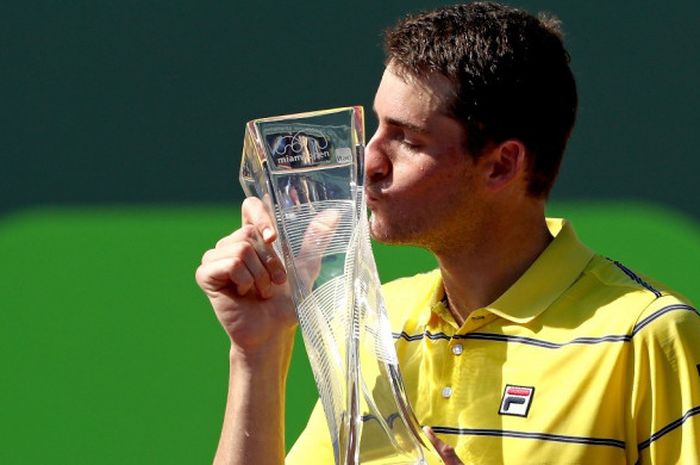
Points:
(300, 149)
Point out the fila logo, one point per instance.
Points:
(516, 400)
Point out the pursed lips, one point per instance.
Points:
(372, 197)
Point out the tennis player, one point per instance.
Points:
(524, 346)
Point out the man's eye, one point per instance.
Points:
(408, 144)
(406, 140)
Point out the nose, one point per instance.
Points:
(377, 163)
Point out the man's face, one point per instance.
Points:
(419, 179)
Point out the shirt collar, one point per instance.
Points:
(435, 294)
(554, 271)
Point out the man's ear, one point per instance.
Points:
(504, 163)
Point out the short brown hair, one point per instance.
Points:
(510, 73)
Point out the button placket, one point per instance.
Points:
(478, 319)
(456, 348)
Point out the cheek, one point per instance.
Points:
(414, 175)
(430, 180)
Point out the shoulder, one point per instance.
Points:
(665, 386)
(669, 323)
(609, 297)
(626, 289)
(614, 273)
(407, 298)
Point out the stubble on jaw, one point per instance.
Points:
(407, 234)
(427, 232)
(449, 230)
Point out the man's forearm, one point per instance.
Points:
(253, 429)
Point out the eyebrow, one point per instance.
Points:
(403, 124)
(406, 125)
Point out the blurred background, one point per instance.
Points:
(121, 127)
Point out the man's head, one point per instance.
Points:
(509, 75)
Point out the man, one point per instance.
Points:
(524, 347)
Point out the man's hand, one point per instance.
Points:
(246, 283)
(445, 451)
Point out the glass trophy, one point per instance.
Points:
(308, 169)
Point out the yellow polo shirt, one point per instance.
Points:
(580, 362)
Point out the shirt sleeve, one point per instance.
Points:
(314, 444)
(665, 400)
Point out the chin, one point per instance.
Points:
(378, 230)
(383, 232)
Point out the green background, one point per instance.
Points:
(120, 133)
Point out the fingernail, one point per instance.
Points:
(268, 233)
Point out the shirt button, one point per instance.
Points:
(446, 392)
(457, 349)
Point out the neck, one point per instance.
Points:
(490, 261)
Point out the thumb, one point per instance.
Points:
(445, 451)
(317, 238)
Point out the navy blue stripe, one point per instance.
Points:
(526, 435)
(418, 337)
(547, 344)
(658, 313)
(635, 277)
(389, 420)
(544, 344)
(668, 428)
(516, 339)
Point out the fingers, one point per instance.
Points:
(255, 213)
(236, 265)
(216, 276)
(266, 253)
(445, 451)
(245, 259)
(317, 237)
(320, 232)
